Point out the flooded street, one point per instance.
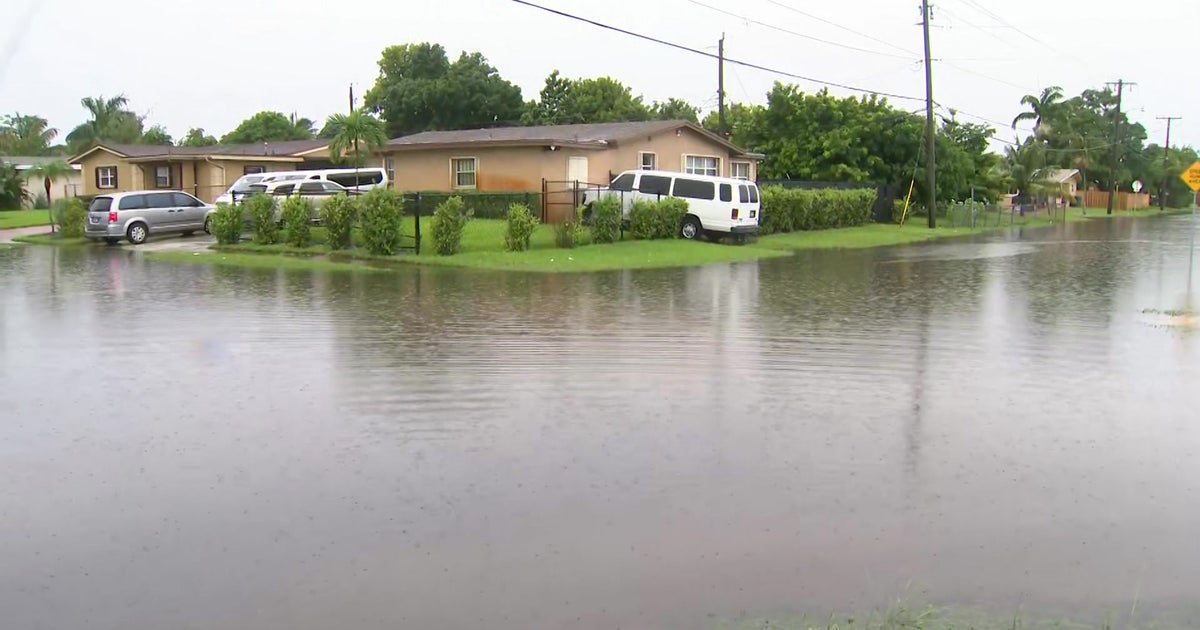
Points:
(1001, 421)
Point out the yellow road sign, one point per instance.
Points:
(1191, 176)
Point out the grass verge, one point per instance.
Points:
(279, 261)
(51, 239)
(23, 218)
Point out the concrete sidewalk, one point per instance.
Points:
(6, 236)
(196, 243)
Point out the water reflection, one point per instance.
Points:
(991, 420)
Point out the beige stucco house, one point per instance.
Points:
(553, 158)
(203, 171)
(68, 185)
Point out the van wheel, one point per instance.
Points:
(691, 228)
(137, 233)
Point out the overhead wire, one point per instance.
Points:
(841, 26)
(780, 29)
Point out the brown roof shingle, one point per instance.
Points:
(265, 149)
(594, 134)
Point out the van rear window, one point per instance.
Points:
(743, 194)
(753, 194)
(694, 189)
(100, 204)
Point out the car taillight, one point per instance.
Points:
(112, 216)
(734, 214)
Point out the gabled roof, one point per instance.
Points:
(286, 148)
(1056, 175)
(594, 135)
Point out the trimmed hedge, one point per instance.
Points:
(483, 205)
(657, 219)
(379, 214)
(71, 215)
(794, 209)
(521, 224)
(449, 220)
(261, 210)
(606, 219)
(338, 215)
(296, 217)
(227, 223)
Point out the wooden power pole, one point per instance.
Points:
(1162, 189)
(721, 85)
(931, 162)
(1116, 148)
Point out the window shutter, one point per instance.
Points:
(114, 172)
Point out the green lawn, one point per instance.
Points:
(280, 261)
(51, 239)
(23, 218)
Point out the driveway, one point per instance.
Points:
(195, 243)
(6, 236)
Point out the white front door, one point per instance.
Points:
(577, 171)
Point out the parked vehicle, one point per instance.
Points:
(241, 187)
(717, 206)
(316, 192)
(139, 214)
(360, 180)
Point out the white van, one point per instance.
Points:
(242, 185)
(717, 206)
(359, 180)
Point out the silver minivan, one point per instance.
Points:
(137, 215)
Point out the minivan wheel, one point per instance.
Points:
(208, 225)
(691, 228)
(136, 233)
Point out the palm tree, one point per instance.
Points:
(1041, 108)
(49, 172)
(357, 134)
(26, 135)
(109, 121)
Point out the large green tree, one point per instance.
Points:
(157, 135)
(565, 101)
(675, 109)
(419, 89)
(1041, 108)
(355, 135)
(109, 120)
(23, 134)
(195, 137)
(1080, 132)
(269, 126)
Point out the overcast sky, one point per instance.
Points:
(210, 64)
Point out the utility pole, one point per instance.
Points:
(351, 98)
(931, 162)
(1162, 189)
(1116, 148)
(721, 85)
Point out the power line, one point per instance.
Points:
(793, 33)
(842, 27)
(696, 51)
(1005, 23)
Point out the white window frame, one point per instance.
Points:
(736, 163)
(158, 183)
(454, 172)
(106, 173)
(642, 160)
(389, 166)
(715, 171)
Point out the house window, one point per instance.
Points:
(251, 169)
(701, 165)
(106, 177)
(162, 176)
(739, 170)
(464, 172)
(647, 160)
(390, 165)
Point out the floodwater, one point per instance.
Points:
(994, 421)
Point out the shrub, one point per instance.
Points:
(671, 211)
(380, 212)
(40, 202)
(449, 220)
(567, 232)
(521, 224)
(70, 215)
(261, 210)
(641, 219)
(337, 215)
(227, 223)
(790, 209)
(296, 217)
(606, 219)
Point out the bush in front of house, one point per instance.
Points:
(260, 209)
(70, 215)
(449, 220)
(606, 219)
(337, 216)
(671, 211)
(380, 211)
(40, 202)
(567, 233)
(642, 222)
(227, 223)
(794, 209)
(296, 217)
(519, 229)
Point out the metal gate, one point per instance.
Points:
(560, 199)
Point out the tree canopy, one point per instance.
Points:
(109, 121)
(25, 135)
(564, 101)
(195, 137)
(269, 126)
(355, 135)
(157, 135)
(419, 89)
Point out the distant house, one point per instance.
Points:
(558, 156)
(1059, 185)
(66, 186)
(203, 171)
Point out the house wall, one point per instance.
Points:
(497, 168)
(125, 173)
(669, 150)
(60, 187)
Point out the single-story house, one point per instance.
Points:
(1060, 185)
(68, 185)
(556, 157)
(203, 171)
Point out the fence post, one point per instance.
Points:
(417, 223)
